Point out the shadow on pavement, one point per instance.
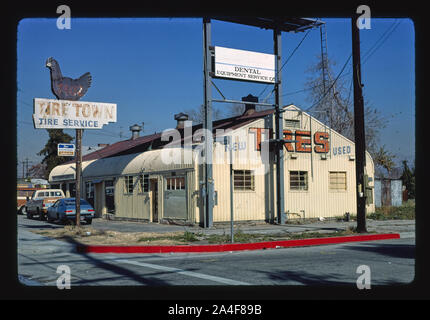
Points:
(304, 278)
(403, 251)
(124, 272)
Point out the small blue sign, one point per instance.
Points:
(66, 150)
(66, 146)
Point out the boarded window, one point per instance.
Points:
(298, 180)
(337, 180)
(144, 183)
(244, 180)
(128, 184)
(291, 123)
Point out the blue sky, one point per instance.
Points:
(152, 68)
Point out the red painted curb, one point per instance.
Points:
(234, 246)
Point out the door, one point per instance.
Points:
(386, 192)
(154, 196)
(109, 196)
(98, 199)
(175, 198)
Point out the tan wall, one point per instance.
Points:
(317, 201)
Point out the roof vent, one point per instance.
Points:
(249, 108)
(180, 118)
(135, 129)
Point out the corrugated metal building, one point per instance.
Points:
(135, 179)
(389, 188)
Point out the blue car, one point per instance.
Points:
(64, 210)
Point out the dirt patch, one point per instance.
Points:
(91, 236)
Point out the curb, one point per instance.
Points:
(234, 246)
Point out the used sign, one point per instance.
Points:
(65, 114)
(244, 65)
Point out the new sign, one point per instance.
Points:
(244, 65)
(66, 150)
(65, 114)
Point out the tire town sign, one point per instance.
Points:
(65, 114)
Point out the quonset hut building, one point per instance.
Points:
(150, 178)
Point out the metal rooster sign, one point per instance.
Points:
(65, 88)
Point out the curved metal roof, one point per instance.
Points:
(150, 161)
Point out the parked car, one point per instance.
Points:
(40, 201)
(64, 210)
(24, 193)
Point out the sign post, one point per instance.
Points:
(78, 176)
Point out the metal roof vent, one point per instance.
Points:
(249, 108)
(180, 118)
(135, 129)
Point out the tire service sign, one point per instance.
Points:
(65, 114)
(244, 65)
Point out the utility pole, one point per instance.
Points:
(207, 125)
(279, 130)
(78, 176)
(359, 133)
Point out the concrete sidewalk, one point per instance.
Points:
(387, 226)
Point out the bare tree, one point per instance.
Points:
(197, 115)
(333, 102)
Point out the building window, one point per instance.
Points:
(128, 184)
(298, 180)
(144, 183)
(244, 180)
(337, 180)
(291, 123)
(176, 183)
(89, 189)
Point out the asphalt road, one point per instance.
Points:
(390, 262)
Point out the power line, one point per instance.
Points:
(288, 59)
(382, 42)
(328, 90)
(387, 33)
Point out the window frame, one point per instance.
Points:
(127, 185)
(302, 186)
(174, 183)
(143, 183)
(330, 185)
(243, 180)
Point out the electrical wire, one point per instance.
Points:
(328, 90)
(288, 59)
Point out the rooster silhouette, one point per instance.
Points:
(65, 88)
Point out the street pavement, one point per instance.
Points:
(390, 261)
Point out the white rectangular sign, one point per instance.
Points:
(65, 114)
(244, 65)
(66, 150)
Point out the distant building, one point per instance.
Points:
(389, 188)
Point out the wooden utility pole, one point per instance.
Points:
(359, 133)
(78, 176)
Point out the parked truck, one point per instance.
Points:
(40, 201)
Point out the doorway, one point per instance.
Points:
(154, 196)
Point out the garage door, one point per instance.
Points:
(175, 198)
